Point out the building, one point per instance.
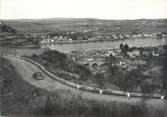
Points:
(134, 53)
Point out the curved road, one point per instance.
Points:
(26, 69)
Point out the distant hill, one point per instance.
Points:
(41, 26)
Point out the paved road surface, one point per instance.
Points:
(26, 69)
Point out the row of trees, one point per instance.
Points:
(124, 49)
(6, 28)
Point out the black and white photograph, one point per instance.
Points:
(83, 58)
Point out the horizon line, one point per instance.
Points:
(81, 18)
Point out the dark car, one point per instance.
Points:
(38, 76)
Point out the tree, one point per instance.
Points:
(95, 65)
(87, 64)
(124, 49)
(121, 46)
(6, 28)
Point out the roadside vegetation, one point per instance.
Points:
(19, 98)
(145, 78)
(59, 64)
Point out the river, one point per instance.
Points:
(141, 42)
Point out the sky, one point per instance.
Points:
(101, 9)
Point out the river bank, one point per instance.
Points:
(97, 40)
(140, 42)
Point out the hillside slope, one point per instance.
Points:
(10, 37)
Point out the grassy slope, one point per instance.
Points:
(28, 100)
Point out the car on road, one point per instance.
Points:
(38, 76)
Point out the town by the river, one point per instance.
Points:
(140, 42)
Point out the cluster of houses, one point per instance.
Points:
(135, 57)
(91, 56)
(55, 39)
(84, 37)
(95, 59)
(136, 53)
